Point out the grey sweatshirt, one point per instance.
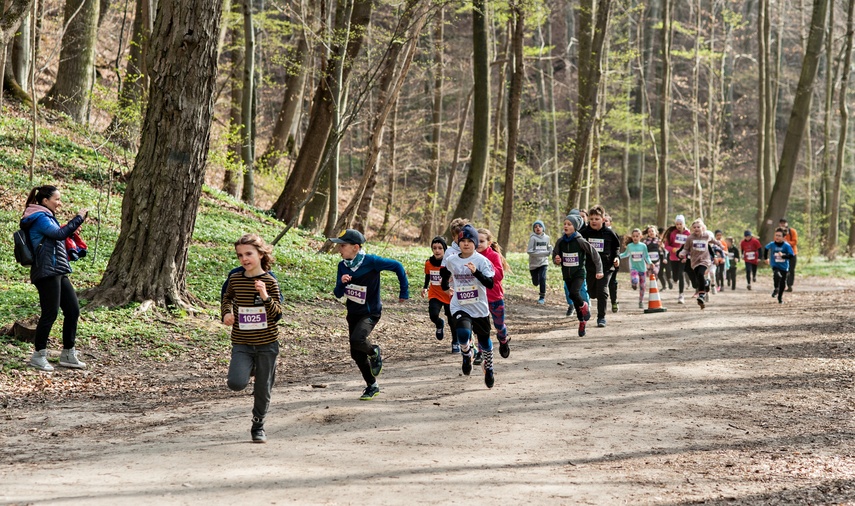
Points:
(538, 248)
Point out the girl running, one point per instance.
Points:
(675, 238)
(639, 264)
(655, 252)
(251, 307)
(491, 250)
(697, 252)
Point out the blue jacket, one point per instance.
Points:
(48, 240)
(779, 255)
(365, 284)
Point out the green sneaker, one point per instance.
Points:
(376, 362)
(369, 393)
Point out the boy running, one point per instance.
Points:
(438, 300)
(607, 244)
(572, 252)
(751, 249)
(778, 254)
(538, 257)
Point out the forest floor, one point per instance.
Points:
(748, 402)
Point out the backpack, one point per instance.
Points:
(23, 247)
(241, 269)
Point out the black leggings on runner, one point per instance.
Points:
(750, 271)
(700, 278)
(677, 274)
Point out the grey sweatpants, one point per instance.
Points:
(263, 357)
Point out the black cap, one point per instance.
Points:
(349, 236)
(783, 220)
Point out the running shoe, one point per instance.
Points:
(467, 362)
(440, 332)
(376, 362)
(541, 301)
(601, 322)
(479, 359)
(701, 300)
(640, 305)
(505, 348)
(749, 286)
(369, 393)
(585, 311)
(569, 311)
(455, 348)
(582, 325)
(615, 307)
(680, 299)
(489, 378)
(258, 435)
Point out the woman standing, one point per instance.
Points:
(49, 273)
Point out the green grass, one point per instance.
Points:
(842, 267)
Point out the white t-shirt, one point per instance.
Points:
(470, 295)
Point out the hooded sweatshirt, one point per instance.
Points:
(538, 248)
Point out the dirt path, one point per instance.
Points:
(747, 402)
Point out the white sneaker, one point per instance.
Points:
(39, 361)
(680, 299)
(68, 358)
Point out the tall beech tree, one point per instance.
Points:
(161, 201)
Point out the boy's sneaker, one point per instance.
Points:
(585, 311)
(489, 378)
(582, 324)
(369, 393)
(376, 362)
(258, 435)
(478, 358)
(774, 293)
(701, 300)
(455, 348)
(570, 310)
(615, 307)
(680, 299)
(789, 288)
(505, 348)
(68, 358)
(39, 361)
(467, 362)
(601, 322)
(440, 333)
(541, 301)
(780, 301)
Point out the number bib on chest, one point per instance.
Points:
(252, 318)
(467, 294)
(637, 257)
(435, 278)
(749, 255)
(654, 256)
(570, 259)
(541, 247)
(779, 256)
(356, 293)
(680, 238)
(598, 244)
(699, 245)
(730, 255)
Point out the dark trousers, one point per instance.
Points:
(435, 307)
(677, 274)
(731, 277)
(359, 327)
(699, 278)
(465, 325)
(574, 291)
(791, 275)
(56, 292)
(719, 275)
(779, 276)
(750, 271)
(538, 278)
(613, 286)
(599, 288)
(263, 358)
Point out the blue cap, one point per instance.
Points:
(349, 236)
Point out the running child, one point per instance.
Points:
(572, 253)
(751, 250)
(438, 300)
(639, 264)
(733, 259)
(454, 228)
(607, 244)
(778, 254)
(471, 275)
(675, 238)
(251, 306)
(607, 222)
(655, 251)
(538, 257)
(358, 279)
(496, 295)
(697, 252)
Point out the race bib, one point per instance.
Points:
(654, 256)
(699, 245)
(467, 294)
(356, 293)
(779, 256)
(637, 257)
(541, 247)
(730, 255)
(435, 278)
(749, 255)
(570, 259)
(252, 318)
(598, 244)
(680, 238)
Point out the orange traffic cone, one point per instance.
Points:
(654, 305)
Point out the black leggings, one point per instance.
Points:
(750, 271)
(574, 288)
(538, 278)
(599, 289)
(677, 274)
(700, 278)
(56, 292)
(360, 347)
(435, 306)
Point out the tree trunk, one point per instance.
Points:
(22, 53)
(696, 134)
(299, 186)
(589, 89)
(458, 143)
(74, 77)
(391, 82)
(162, 197)
(664, 116)
(232, 175)
(291, 102)
(514, 99)
(429, 220)
(247, 151)
(769, 150)
(798, 118)
(10, 19)
(470, 197)
(826, 152)
(761, 108)
(844, 127)
(390, 186)
(124, 128)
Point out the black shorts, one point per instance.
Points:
(480, 326)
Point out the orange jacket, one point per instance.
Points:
(792, 238)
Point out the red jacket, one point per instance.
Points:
(751, 250)
(497, 292)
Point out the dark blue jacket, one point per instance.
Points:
(368, 276)
(48, 240)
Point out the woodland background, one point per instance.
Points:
(408, 113)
